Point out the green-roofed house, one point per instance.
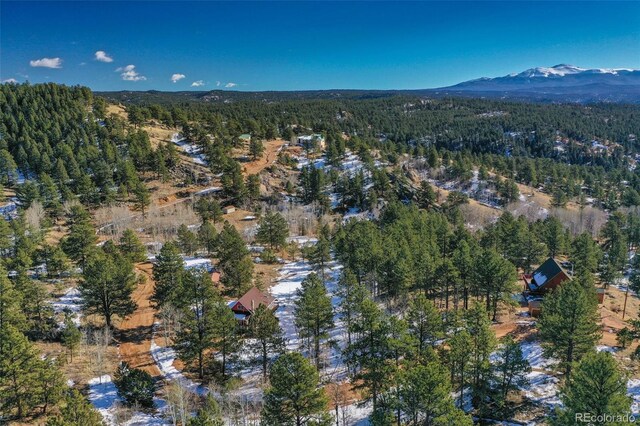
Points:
(244, 138)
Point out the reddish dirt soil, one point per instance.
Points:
(135, 332)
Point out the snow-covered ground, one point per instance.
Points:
(190, 149)
(103, 395)
(542, 387)
(164, 358)
(197, 263)
(70, 302)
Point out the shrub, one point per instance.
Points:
(135, 386)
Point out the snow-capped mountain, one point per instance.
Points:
(558, 83)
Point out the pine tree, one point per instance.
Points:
(81, 240)
(234, 260)
(460, 358)
(256, 148)
(142, 198)
(209, 414)
(425, 323)
(49, 384)
(208, 237)
(510, 371)
(197, 300)
(225, 334)
(425, 394)
(131, 246)
(269, 340)
(273, 231)
(370, 355)
(107, 285)
(135, 386)
(351, 293)
(168, 272)
(597, 387)
(569, 327)
(313, 314)
(18, 373)
(70, 336)
(294, 397)
(320, 253)
(482, 344)
(187, 240)
(496, 277)
(76, 411)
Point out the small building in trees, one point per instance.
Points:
(310, 142)
(228, 209)
(244, 138)
(546, 278)
(244, 307)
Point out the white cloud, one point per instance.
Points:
(229, 85)
(176, 77)
(10, 80)
(197, 83)
(129, 73)
(47, 63)
(218, 84)
(102, 56)
(82, 64)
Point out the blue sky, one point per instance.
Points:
(306, 45)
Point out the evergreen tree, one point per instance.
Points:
(208, 237)
(107, 285)
(320, 253)
(168, 272)
(197, 300)
(142, 198)
(425, 323)
(597, 388)
(76, 411)
(425, 394)
(131, 246)
(460, 358)
(313, 314)
(208, 415)
(135, 386)
(269, 340)
(482, 344)
(294, 397)
(569, 327)
(70, 336)
(370, 356)
(81, 240)
(273, 231)
(256, 148)
(510, 371)
(234, 260)
(224, 332)
(187, 240)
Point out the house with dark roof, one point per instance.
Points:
(546, 278)
(244, 307)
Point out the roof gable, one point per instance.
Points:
(254, 298)
(547, 272)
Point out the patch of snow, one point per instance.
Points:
(164, 358)
(70, 302)
(532, 352)
(605, 348)
(197, 263)
(542, 388)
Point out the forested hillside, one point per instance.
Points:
(315, 261)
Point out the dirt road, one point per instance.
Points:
(136, 331)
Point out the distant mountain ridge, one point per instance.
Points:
(560, 83)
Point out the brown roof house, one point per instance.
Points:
(546, 278)
(244, 307)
